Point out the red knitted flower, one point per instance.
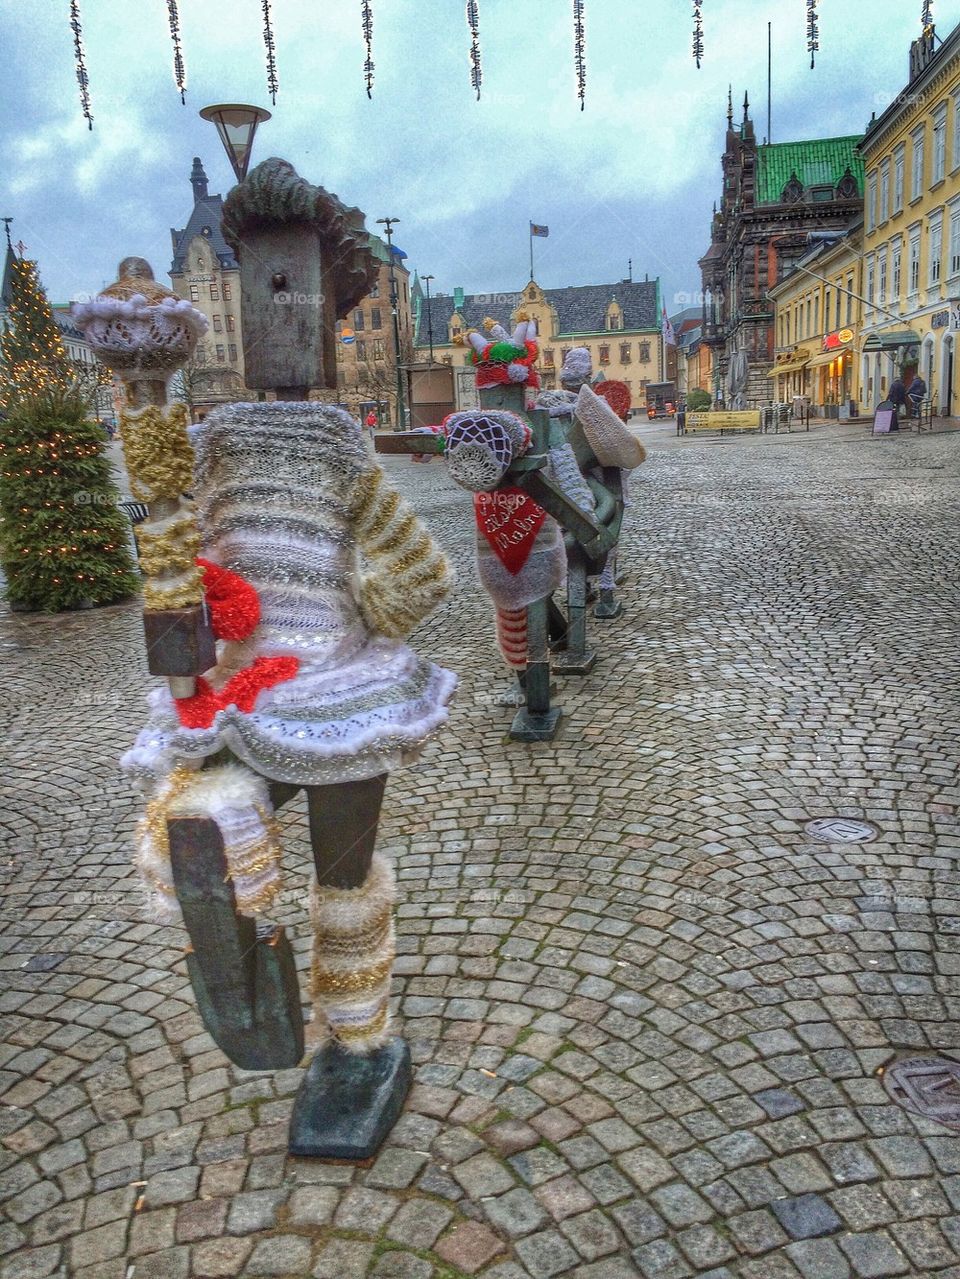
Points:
(617, 395)
(234, 604)
(241, 690)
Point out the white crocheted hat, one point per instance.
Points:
(609, 438)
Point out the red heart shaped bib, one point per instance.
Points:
(510, 520)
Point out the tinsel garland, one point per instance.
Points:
(233, 603)
(698, 31)
(182, 594)
(241, 690)
(179, 70)
(813, 40)
(172, 551)
(367, 10)
(273, 84)
(473, 21)
(80, 60)
(580, 57)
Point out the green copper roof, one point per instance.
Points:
(822, 162)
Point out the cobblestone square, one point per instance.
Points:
(649, 1012)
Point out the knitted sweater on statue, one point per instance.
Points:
(288, 498)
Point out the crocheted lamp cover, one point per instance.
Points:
(140, 328)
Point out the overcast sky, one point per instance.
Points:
(632, 176)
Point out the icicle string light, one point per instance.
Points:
(80, 61)
(580, 58)
(813, 37)
(926, 17)
(367, 11)
(473, 22)
(179, 70)
(698, 32)
(273, 84)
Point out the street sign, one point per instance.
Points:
(724, 420)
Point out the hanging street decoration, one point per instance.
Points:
(80, 61)
(273, 84)
(179, 70)
(926, 17)
(698, 31)
(579, 51)
(473, 22)
(813, 36)
(367, 11)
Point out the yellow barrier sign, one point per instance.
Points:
(722, 420)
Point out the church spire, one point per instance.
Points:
(746, 107)
(730, 105)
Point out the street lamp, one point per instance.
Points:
(236, 124)
(426, 280)
(389, 224)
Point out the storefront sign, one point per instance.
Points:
(714, 420)
(948, 318)
(843, 337)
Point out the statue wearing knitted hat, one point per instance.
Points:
(312, 686)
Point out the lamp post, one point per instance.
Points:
(388, 224)
(426, 280)
(236, 124)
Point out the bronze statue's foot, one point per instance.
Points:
(348, 1103)
(608, 606)
(243, 976)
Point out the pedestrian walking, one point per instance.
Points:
(371, 421)
(898, 398)
(916, 392)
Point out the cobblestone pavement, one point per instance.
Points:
(648, 1012)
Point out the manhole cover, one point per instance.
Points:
(927, 1086)
(842, 830)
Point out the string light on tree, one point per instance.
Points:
(698, 32)
(367, 13)
(473, 22)
(80, 61)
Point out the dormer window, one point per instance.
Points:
(793, 191)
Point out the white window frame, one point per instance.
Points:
(916, 163)
(882, 259)
(913, 262)
(939, 144)
(896, 269)
(869, 275)
(871, 201)
(956, 131)
(935, 249)
(884, 191)
(899, 170)
(953, 249)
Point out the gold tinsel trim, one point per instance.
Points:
(188, 592)
(400, 534)
(363, 1030)
(382, 517)
(157, 451)
(173, 551)
(326, 981)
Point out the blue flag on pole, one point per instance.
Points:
(539, 230)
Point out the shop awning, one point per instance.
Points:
(790, 366)
(890, 340)
(827, 357)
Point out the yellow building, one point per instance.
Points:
(618, 323)
(911, 244)
(816, 326)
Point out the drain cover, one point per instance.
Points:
(927, 1086)
(842, 830)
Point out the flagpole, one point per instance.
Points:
(530, 224)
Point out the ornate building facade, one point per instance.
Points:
(773, 196)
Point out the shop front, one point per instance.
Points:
(832, 376)
(789, 375)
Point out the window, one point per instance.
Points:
(644, 353)
(405, 291)
(361, 350)
(939, 144)
(214, 293)
(955, 241)
(378, 353)
(895, 271)
(816, 314)
(808, 330)
(604, 354)
(936, 249)
(882, 276)
(625, 353)
(375, 291)
(871, 211)
(233, 352)
(564, 352)
(786, 329)
(548, 359)
(868, 290)
(899, 163)
(221, 355)
(358, 321)
(836, 324)
(217, 324)
(231, 324)
(884, 191)
(226, 291)
(194, 293)
(916, 170)
(375, 320)
(826, 310)
(913, 278)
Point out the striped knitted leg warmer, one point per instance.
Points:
(353, 952)
(512, 636)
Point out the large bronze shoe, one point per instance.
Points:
(243, 975)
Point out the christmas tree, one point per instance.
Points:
(63, 539)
